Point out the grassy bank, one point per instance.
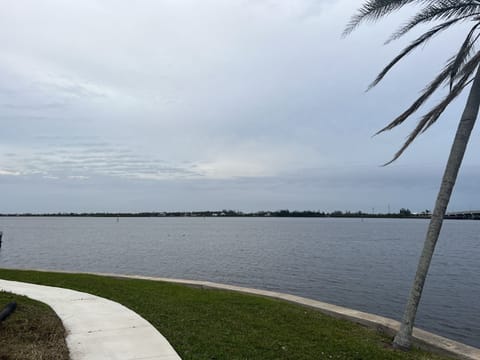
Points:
(32, 332)
(215, 324)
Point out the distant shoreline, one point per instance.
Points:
(230, 213)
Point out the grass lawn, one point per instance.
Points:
(216, 324)
(32, 332)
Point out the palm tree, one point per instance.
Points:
(461, 70)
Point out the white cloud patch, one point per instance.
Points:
(80, 161)
(5, 172)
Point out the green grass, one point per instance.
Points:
(32, 332)
(216, 324)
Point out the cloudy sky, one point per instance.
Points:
(167, 105)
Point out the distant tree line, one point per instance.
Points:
(403, 213)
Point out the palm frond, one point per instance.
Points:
(373, 10)
(452, 66)
(413, 45)
(463, 54)
(470, 66)
(432, 116)
(458, 71)
(460, 10)
(427, 120)
(427, 92)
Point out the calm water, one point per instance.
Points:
(366, 265)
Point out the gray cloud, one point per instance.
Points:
(247, 104)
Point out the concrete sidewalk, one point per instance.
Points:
(98, 328)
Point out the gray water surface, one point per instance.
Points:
(366, 265)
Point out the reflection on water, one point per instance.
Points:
(367, 265)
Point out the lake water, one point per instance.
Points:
(366, 265)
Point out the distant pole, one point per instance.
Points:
(1, 235)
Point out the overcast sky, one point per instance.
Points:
(249, 105)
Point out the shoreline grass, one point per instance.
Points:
(32, 332)
(218, 324)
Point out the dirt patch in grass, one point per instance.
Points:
(32, 332)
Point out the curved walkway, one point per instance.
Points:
(98, 328)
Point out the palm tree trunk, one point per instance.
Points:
(403, 338)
